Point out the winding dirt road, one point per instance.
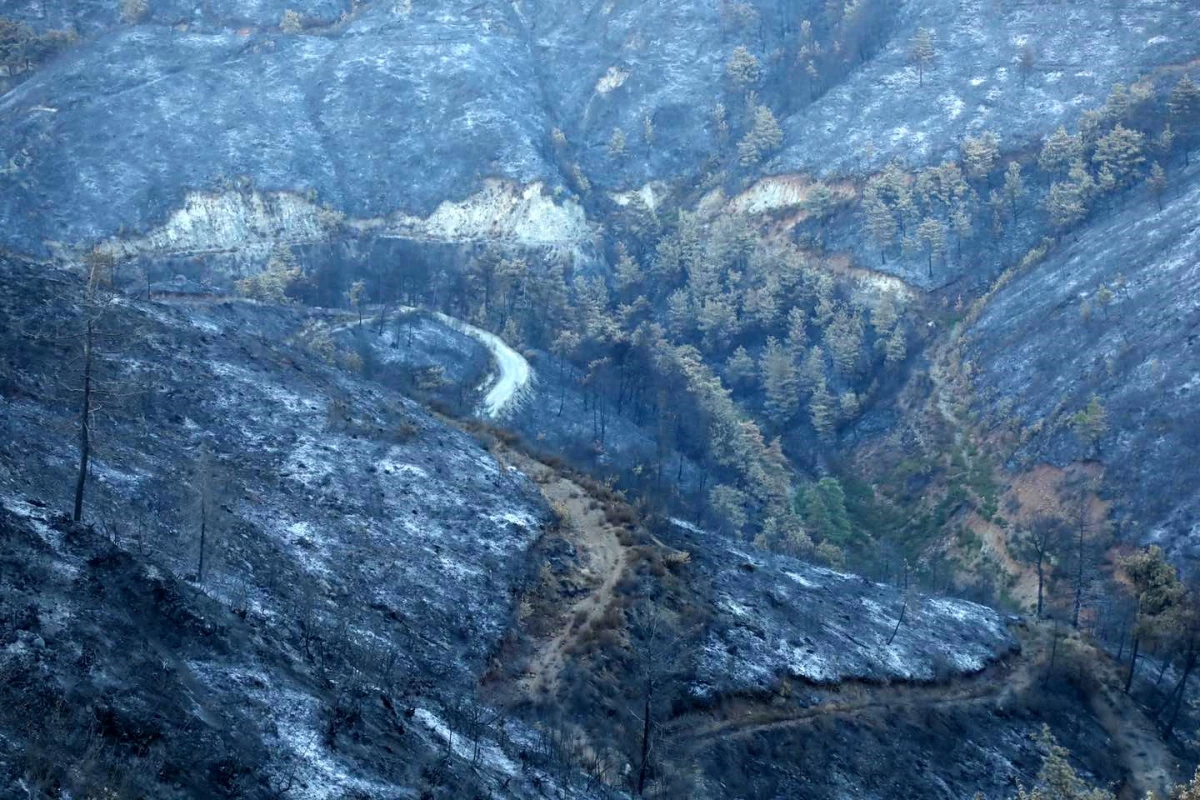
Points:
(513, 372)
(512, 375)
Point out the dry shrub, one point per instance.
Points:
(133, 10)
(620, 514)
(291, 22)
(560, 516)
(678, 558)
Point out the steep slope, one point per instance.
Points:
(285, 112)
(1124, 294)
(975, 83)
(355, 549)
(404, 106)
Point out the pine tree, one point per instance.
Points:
(1058, 151)
(616, 144)
(980, 154)
(763, 138)
(681, 315)
(1189, 792)
(931, 233)
(291, 22)
(591, 308)
(1092, 125)
(797, 335)
(1057, 779)
(999, 206)
(844, 337)
(1157, 591)
(880, 221)
(1122, 152)
(271, 285)
(1091, 423)
(728, 506)
(1014, 186)
(628, 272)
(741, 369)
(721, 122)
(1165, 142)
(884, 316)
(1184, 108)
(921, 53)
(812, 373)
(820, 409)
(760, 304)
(1083, 182)
(1157, 183)
(550, 297)
(1064, 205)
(743, 68)
(717, 319)
(1116, 107)
(778, 375)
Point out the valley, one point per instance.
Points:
(459, 400)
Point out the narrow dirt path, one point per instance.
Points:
(1008, 679)
(1135, 740)
(1144, 759)
(605, 559)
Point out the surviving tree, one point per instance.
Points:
(921, 53)
(1184, 108)
(1091, 423)
(763, 138)
(1156, 591)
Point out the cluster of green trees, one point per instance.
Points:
(721, 342)
(1166, 613)
(739, 350)
(1133, 138)
(726, 345)
(729, 345)
(22, 50)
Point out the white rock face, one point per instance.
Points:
(502, 210)
(248, 225)
(249, 222)
(775, 193)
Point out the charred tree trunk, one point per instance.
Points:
(644, 768)
(1181, 691)
(203, 537)
(1041, 582)
(1132, 663)
(85, 417)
